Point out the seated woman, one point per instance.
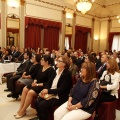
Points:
(110, 91)
(73, 68)
(59, 85)
(28, 76)
(83, 97)
(31, 91)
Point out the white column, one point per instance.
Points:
(73, 31)
(62, 41)
(3, 24)
(22, 26)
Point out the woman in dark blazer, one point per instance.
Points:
(59, 84)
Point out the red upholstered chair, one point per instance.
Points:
(107, 111)
(32, 104)
(90, 118)
(51, 114)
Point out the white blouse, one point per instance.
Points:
(115, 79)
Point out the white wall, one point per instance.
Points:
(115, 26)
(42, 12)
(11, 10)
(12, 23)
(82, 21)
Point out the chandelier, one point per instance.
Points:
(83, 5)
(13, 3)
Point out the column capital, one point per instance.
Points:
(74, 14)
(63, 12)
(93, 19)
(22, 2)
(109, 20)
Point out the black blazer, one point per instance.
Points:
(63, 86)
(23, 67)
(99, 74)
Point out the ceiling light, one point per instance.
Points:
(83, 5)
(13, 3)
(69, 15)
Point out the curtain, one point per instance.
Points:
(13, 30)
(81, 37)
(116, 43)
(33, 28)
(66, 43)
(110, 38)
(81, 41)
(41, 22)
(51, 38)
(69, 39)
(33, 36)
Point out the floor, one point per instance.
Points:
(9, 106)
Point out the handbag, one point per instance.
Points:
(49, 96)
(105, 81)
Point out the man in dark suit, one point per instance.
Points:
(12, 77)
(101, 67)
(16, 54)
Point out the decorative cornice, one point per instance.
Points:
(22, 2)
(104, 6)
(74, 14)
(3, 0)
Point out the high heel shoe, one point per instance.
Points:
(15, 96)
(20, 116)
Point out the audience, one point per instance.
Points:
(83, 97)
(31, 91)
(12, 77)
(52, 81)
(59, 85)
(28, 76)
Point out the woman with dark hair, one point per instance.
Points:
(112, 76)
(31, 91)
(73, 67)
(83, 97)
(28, 76)
(89, 58)
(59, 85)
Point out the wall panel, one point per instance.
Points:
(43, 12)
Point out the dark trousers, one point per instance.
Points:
(106, 97)
(11, 81)
(43, 107)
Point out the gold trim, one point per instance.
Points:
(3, 0)
(22, 2)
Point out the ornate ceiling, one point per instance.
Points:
(100, 8)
